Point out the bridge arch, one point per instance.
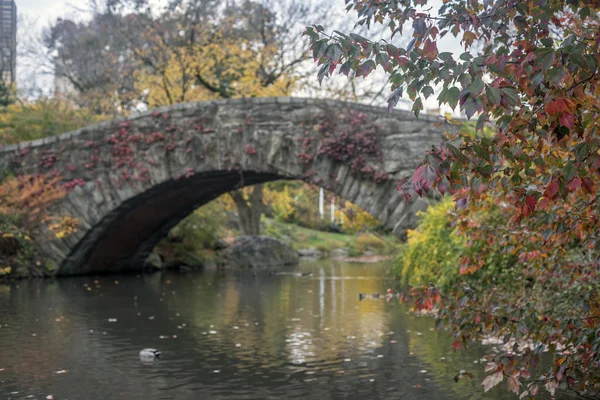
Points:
(131, 180)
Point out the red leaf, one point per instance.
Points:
(430, 50)
(556, 106)
(491, 366)
(457, 345)
(365, 68)
(552, 108)
(461, 203)
(588, 184)
(513, 384)
(423, 179)
(531, 202)
(574, 184)
(526, 211)
(567, 119)
(551, 190)
(543, 203)
(492, 380)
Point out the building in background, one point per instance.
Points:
(8, 40)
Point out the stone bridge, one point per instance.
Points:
(131, 180)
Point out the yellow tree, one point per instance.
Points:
(218, 70)
(231, 61)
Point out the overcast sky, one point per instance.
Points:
(47, 10)
(41, 13)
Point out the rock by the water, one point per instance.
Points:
(343, 252)
(220, 244)
(259, 251)
(183, 260)
(311, 253)
(149, 354)
(153, 261)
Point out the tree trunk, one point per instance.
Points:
(249, 211)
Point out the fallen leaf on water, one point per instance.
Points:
(50, 397)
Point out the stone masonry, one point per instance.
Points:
(131, 180)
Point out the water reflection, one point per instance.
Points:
(224, 336)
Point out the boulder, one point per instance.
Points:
(310, 253)
(220, 244)
(153, 261)
(337, 253)
(184, 261)
(259, 251)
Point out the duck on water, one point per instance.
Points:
(149, 354)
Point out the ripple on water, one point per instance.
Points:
(224, 337)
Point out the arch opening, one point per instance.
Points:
(125, 237)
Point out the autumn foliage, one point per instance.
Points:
(530, 68)
(25, 203)
(29, 197)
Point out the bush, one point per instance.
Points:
(365, 240)
(354, 251)
(42, 118)
(434, 251)
(201, 229)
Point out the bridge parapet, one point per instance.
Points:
(132, 179)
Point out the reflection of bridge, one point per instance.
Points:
(133, 179)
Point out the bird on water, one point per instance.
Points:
(149, 354)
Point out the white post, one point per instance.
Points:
(321, 203)
(333, 209)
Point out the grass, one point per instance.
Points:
(302, 238)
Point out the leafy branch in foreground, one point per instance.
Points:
(531, 68)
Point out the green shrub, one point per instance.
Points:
(42, 118)
(201, 229)
(367, 240)
(354, 251)
(433, 251)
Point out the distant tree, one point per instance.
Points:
(22, 121)
(7, 93)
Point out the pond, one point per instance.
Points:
(226, 335)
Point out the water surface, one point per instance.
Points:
(226, 336)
